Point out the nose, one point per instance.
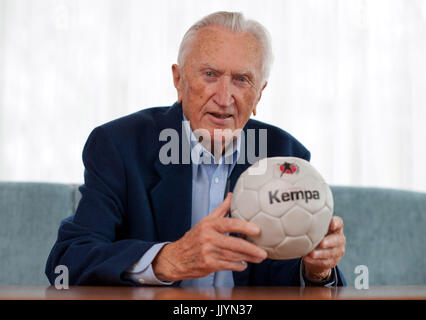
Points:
(224, 94)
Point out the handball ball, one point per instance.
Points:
(289, 201)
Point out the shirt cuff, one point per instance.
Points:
(330, 284)
(141, 272)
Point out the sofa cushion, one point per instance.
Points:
(30, 214)
(386, 231)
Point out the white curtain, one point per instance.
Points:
(349, 80)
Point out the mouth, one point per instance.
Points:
(221, 116)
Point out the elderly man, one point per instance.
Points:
(142, 221)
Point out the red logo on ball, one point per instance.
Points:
(288, 168)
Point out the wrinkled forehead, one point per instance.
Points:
(227, 49)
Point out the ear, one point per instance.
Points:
(258, 98)
(177, 80)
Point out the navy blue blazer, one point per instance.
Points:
(130, 201)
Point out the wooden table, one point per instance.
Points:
(241, 293)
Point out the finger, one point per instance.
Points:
(320, 263)
(229, 255)
(336, 224)
(241, 246)
(216, 262)
(228, 225)
(232, 265)
(327, 253)
(223, 208)
(332, 240)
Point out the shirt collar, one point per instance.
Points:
(198, 152)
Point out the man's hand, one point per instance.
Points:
(319, 262)
(205, 248)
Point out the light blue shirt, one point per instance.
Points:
(209, 184)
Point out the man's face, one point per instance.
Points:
(221, 81)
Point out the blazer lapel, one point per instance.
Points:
(171, 201)
(242, 162)
(172, 195)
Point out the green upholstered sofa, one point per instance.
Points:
(385, 231)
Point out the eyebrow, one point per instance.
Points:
(247, 73)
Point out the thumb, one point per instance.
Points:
(336, 225)
(223, 208)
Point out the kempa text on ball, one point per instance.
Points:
(294, 195)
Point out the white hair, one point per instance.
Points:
(234, 21)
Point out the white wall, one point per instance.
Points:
(349, 80)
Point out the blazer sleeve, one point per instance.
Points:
(87, 242)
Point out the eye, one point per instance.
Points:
(242, 79)
(209, 74)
